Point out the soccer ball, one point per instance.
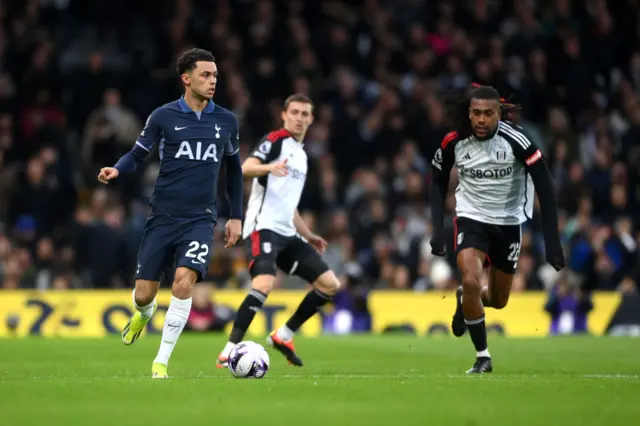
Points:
(248, 360)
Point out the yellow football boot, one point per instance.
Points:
(159, 371)
(134, 327)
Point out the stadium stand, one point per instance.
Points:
(78, 79)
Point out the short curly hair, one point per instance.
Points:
(188, 59)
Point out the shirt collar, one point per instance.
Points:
(185, 108)
(293, 137)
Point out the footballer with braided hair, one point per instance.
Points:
(498, 167)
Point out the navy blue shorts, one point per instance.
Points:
(169, 242)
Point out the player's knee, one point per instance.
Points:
(183, 282)
(145, 292)
(263, 283)
(263, 274)
(327, 283)
(471, 284)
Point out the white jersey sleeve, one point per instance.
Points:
(267, 149)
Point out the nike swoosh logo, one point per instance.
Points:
(180, 128)
(196, 262)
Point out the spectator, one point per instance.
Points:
(378, 72)
(206, 315)
(568, 309)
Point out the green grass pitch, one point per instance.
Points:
(364, 380)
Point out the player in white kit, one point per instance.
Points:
(498, 167)
(277, 235)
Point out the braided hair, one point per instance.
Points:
(458, 107)
(510, 111)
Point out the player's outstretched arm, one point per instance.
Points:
(131, 160)
(442, 163)
(126, 164)
(252, 167)
(106, 174)
(265, 159)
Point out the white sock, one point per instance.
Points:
(145, 311)
(227, 350)
(483, 354)
(174, 323)
(284, 333)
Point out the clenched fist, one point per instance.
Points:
(107, 173)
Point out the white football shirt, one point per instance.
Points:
(493, 184)
(274, 200)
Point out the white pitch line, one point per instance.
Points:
(611, 376)
(493, 376)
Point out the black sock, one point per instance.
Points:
(478, 333)
(307, 308)
(247, 310)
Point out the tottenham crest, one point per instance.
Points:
(460, 238)
(266, 247)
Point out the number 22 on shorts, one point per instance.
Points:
(197, 251)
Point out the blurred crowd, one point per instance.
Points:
(78, 79)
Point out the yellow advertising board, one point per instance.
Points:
(524, 316)
(99, 313)
(86, 313)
